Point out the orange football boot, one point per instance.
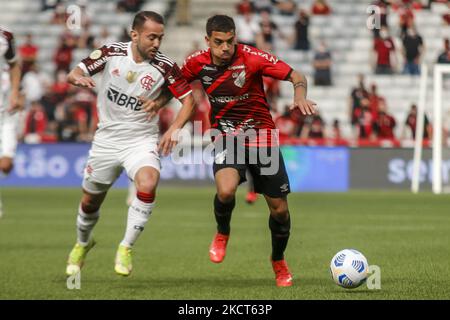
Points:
(217, 249)
(282, 274)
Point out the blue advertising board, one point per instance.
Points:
(61, 165)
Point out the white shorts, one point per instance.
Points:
(105, 165)
(8, 131)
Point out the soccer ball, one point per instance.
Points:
(349, 268)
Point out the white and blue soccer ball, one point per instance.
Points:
(349, 268)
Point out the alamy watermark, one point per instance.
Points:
(73, 282)
(373, 281)
(374, 19)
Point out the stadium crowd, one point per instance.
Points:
(58, 112)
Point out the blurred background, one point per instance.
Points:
(365, 82)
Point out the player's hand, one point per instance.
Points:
(149, 106)
(85, 82)
(307, 107)
(168, 141)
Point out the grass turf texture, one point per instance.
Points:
(408, 236)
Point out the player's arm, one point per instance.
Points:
(14, 73)
(78, 78)
(169, 139)
(152, 107)
(300, 84)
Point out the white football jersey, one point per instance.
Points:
(120, 81)
(7, 55)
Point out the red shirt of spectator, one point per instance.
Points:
(245, 7)
(286, 125)
(383, 47)
(36, 120)
(384, 126)
(321, 8)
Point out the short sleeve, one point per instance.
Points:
(177, 83)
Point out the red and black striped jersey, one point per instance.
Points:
(236, 91)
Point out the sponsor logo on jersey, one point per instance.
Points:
(263, 54)
(237, 67)
(209, 68)
(124, 100)
(227, 99)
(147, 82)
(97, 64)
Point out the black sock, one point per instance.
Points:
(280, 236)
(222, 212)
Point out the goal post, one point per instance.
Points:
(438, 73)
(439, 70)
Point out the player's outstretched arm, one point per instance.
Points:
(300, 84)
(169, 139)
(77, 78)
(14, 71)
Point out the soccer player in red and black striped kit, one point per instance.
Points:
(232, 76)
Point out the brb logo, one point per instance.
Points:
(124, 100)
(147, 82)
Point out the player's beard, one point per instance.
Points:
(144, 54)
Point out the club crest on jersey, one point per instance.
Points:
(147, 82)
(131, 76)
(240, 79)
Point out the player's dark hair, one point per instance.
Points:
(220, 23)
(142, 16)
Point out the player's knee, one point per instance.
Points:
(146, 186)
(6, 166)
(279, 213)
(91, 203)
(226, 195)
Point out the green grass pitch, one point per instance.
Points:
(407, 236)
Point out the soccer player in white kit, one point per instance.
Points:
(9, 102)
(129, 77)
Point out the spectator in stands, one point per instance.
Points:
(35, 123)
(322, 66)
(285, 7)
(336, 131)
(269, 31)
(320, 7)
(411, 122)
(406, 20)
(412, 51)
(245, 7)
(248, 30)
(60, 87)
(384, 50)
(28, 53)
(125, 36)
(49, 4)
(375, 100)
(301, 31)
(444, 57)
(104, 38)
(85, 13)
(63, 55)
(384, 124)
(263, 5)
(286, 124)
(365, 123)
(314, 128)
(34, 84)
(358, 93)
(86, 40)
(59, 14)
(129, 5)
(183, 12)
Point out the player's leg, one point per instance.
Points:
(101, 171)
(131, 192)
(87, 218)
(274, 184)
(142, 165)
(280, 226)
(227, 180)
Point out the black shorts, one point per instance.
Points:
(265, 165)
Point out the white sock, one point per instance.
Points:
(138, 214)
(85, 224)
